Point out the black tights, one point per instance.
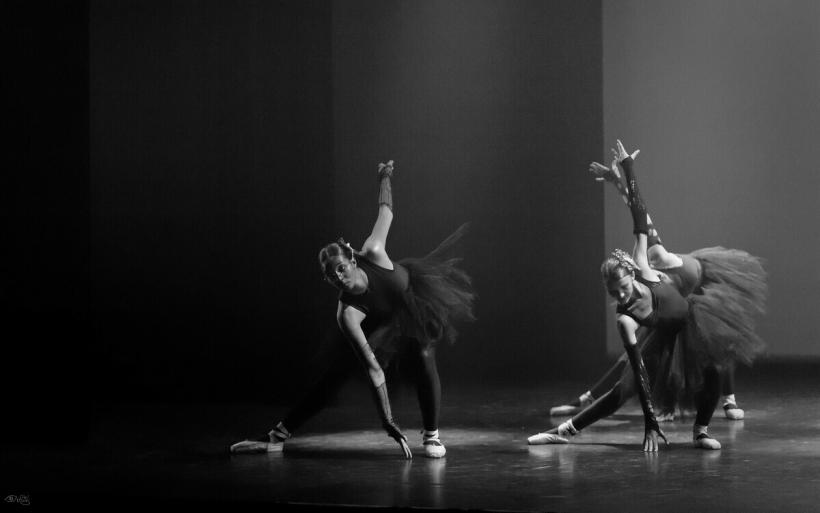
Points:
(728, 380)
(610, 378)
(344, 364)
(617, 395)
(428, 388)
(613, 375)
(604, 406)
(706, 401)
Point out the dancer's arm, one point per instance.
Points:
(375, 247)
(350, 320)
(659, 257)
(627, 328)
(638, 210)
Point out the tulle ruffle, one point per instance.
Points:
(720, 330)
(439, 295)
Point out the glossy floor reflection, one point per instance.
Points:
(167, 453)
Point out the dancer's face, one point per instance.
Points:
(341, 273)
(621, 289)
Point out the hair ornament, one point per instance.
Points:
(346, 248)
(624, 260)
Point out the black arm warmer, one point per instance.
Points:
(642, 384)
(636, 204)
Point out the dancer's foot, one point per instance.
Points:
(558, 435)
(732, 412)
(566, 429)
(258, 446)
(704, 441)
(564, 410)
(572, 408)
(546, 438)
(433, 448)
(274, 441)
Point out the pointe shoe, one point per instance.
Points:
(268, 443)
(564, 410)
(433, 448)
(546, 438)
(704, 441)
(732, 412)
(256, 447)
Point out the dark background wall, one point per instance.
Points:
(44, 281)
(211, 184)
(722, 99)
(184, 161)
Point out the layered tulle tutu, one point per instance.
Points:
(721, 326)
(439, 295)
(725, 310)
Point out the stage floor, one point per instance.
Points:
(153, 453)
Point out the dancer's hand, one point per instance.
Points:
(395, 433)
(601, 172)
(611, 175)
(406, 449)
(386, 169)
(650, 439)
(620, 152)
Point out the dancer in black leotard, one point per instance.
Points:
(385, 306)
(688, 339)
(739, 273)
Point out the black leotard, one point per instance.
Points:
(384, 294)
(669, 308)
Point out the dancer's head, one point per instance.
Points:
(338, 263)
(618, 273)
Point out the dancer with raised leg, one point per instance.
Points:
(385, 307)
(688, 339)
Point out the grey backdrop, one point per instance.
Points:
(723, 100)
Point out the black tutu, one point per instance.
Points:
(724, 311)
(720, 330)
(439, 295)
